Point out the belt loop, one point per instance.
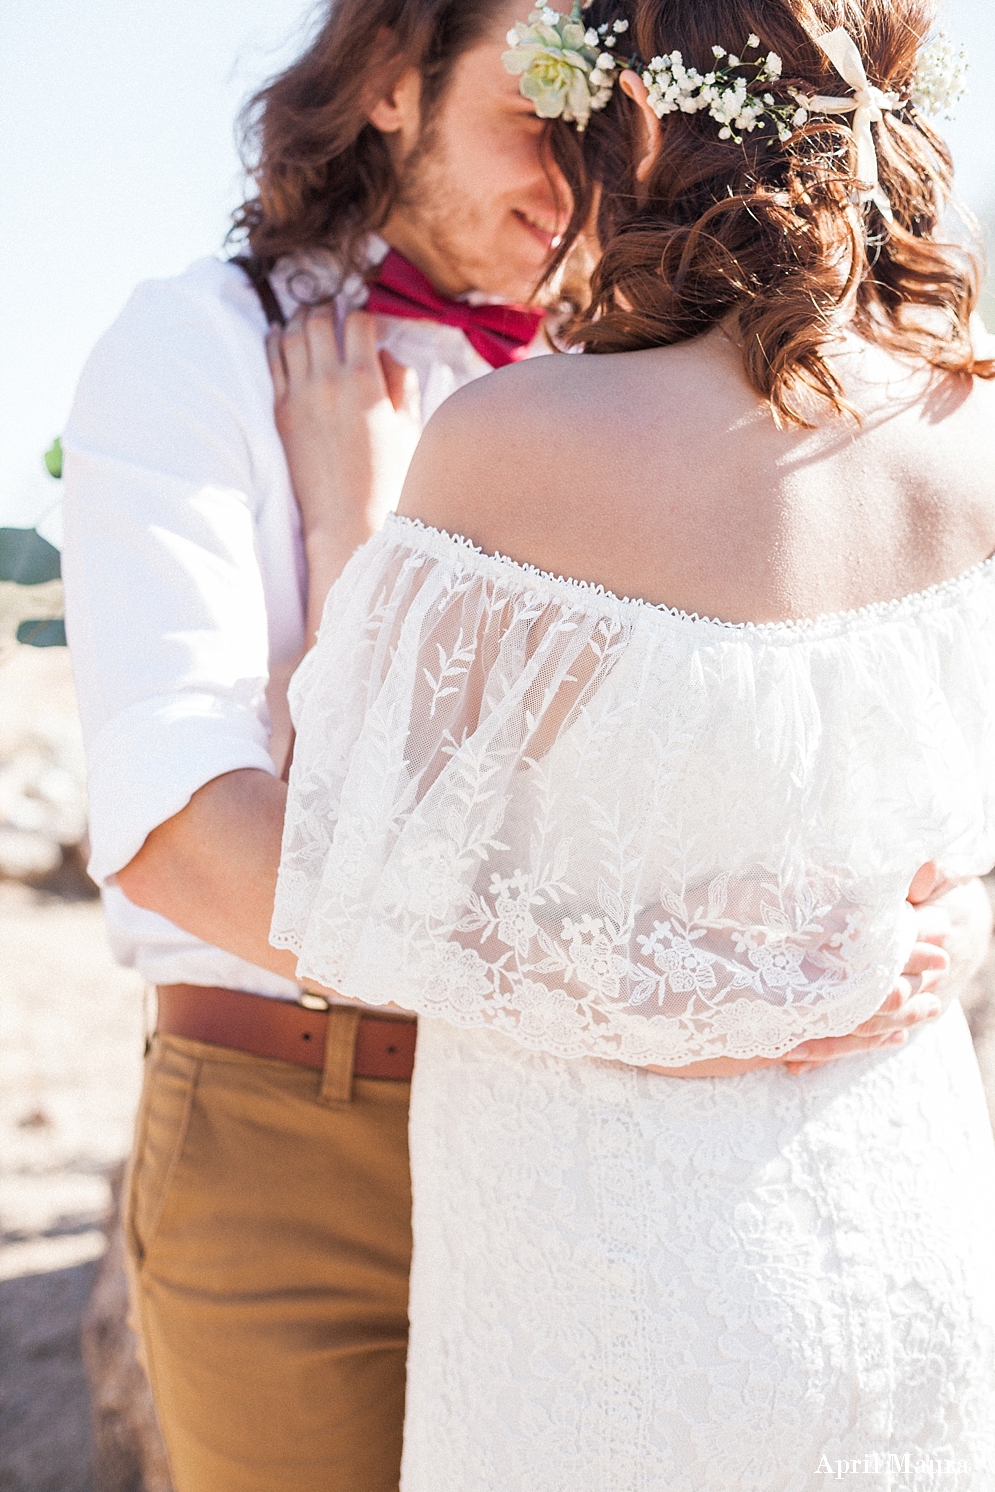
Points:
(150, 1001)
(340, 1055)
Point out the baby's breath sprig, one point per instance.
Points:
(738, 104)
(939, 82)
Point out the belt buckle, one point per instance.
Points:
(311, 1001)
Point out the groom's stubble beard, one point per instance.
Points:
(458, 220)
(437, 207)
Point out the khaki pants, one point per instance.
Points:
(269, 1228)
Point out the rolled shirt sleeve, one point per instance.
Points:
(184, 569)
(166, 605)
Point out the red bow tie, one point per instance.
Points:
(499, 333)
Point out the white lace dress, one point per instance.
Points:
(579, 835)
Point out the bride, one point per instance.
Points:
(606, 845)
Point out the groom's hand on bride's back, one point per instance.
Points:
(953, 931)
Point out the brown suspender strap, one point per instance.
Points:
(255, 271)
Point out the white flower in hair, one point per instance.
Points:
(567, 69)
(940, 77)
(728, 96)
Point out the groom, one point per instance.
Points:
(268, 1216)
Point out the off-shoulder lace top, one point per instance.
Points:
(613, 829)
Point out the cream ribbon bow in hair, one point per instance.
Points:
(869, 105)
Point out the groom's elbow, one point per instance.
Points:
(221, 846)
(167, 863)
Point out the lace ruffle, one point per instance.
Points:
(609, 829)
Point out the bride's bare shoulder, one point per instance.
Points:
(478, 438)
(516, 447)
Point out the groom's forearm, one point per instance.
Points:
(212, 868)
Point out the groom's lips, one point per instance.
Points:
(545, 236)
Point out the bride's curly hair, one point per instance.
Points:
(763, 236)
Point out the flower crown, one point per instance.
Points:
(567, 69)
(568, 72)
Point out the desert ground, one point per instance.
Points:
(71, 1040)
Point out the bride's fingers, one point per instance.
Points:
(912, 1012)
(831, 1048)
(911, 1003)
(907, 987)
(934, 924)
(917, 984)
(360, 356)
(892, 1030)
(296, 356)
(324, 361)
(926, 966)
(277, 367)
(895, 999)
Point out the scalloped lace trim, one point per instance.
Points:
(443, 545)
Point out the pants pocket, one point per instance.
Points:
(163, 1119)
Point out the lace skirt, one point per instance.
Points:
(628, 1283)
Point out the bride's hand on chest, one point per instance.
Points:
(349, 419)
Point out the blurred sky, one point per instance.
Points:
(117, 163)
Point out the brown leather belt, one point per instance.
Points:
(277, 1028)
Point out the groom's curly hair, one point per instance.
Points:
(322, 175)
(762, 236)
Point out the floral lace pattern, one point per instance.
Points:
(630, 1283)
(608, 829)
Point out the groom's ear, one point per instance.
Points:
(396, 110)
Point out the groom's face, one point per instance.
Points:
(481, 203)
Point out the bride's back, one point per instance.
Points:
(729, 451)
(661, 474)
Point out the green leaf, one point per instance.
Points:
(42, 634)
(53, 458)
(26, 558)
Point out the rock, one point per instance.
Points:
(128, 1450)
(71, 1032)
(27, 857)
(42, 770)
(44, 1429)
(21, 603)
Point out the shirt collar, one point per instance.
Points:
(314, 274)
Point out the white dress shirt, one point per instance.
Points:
(183, 564)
